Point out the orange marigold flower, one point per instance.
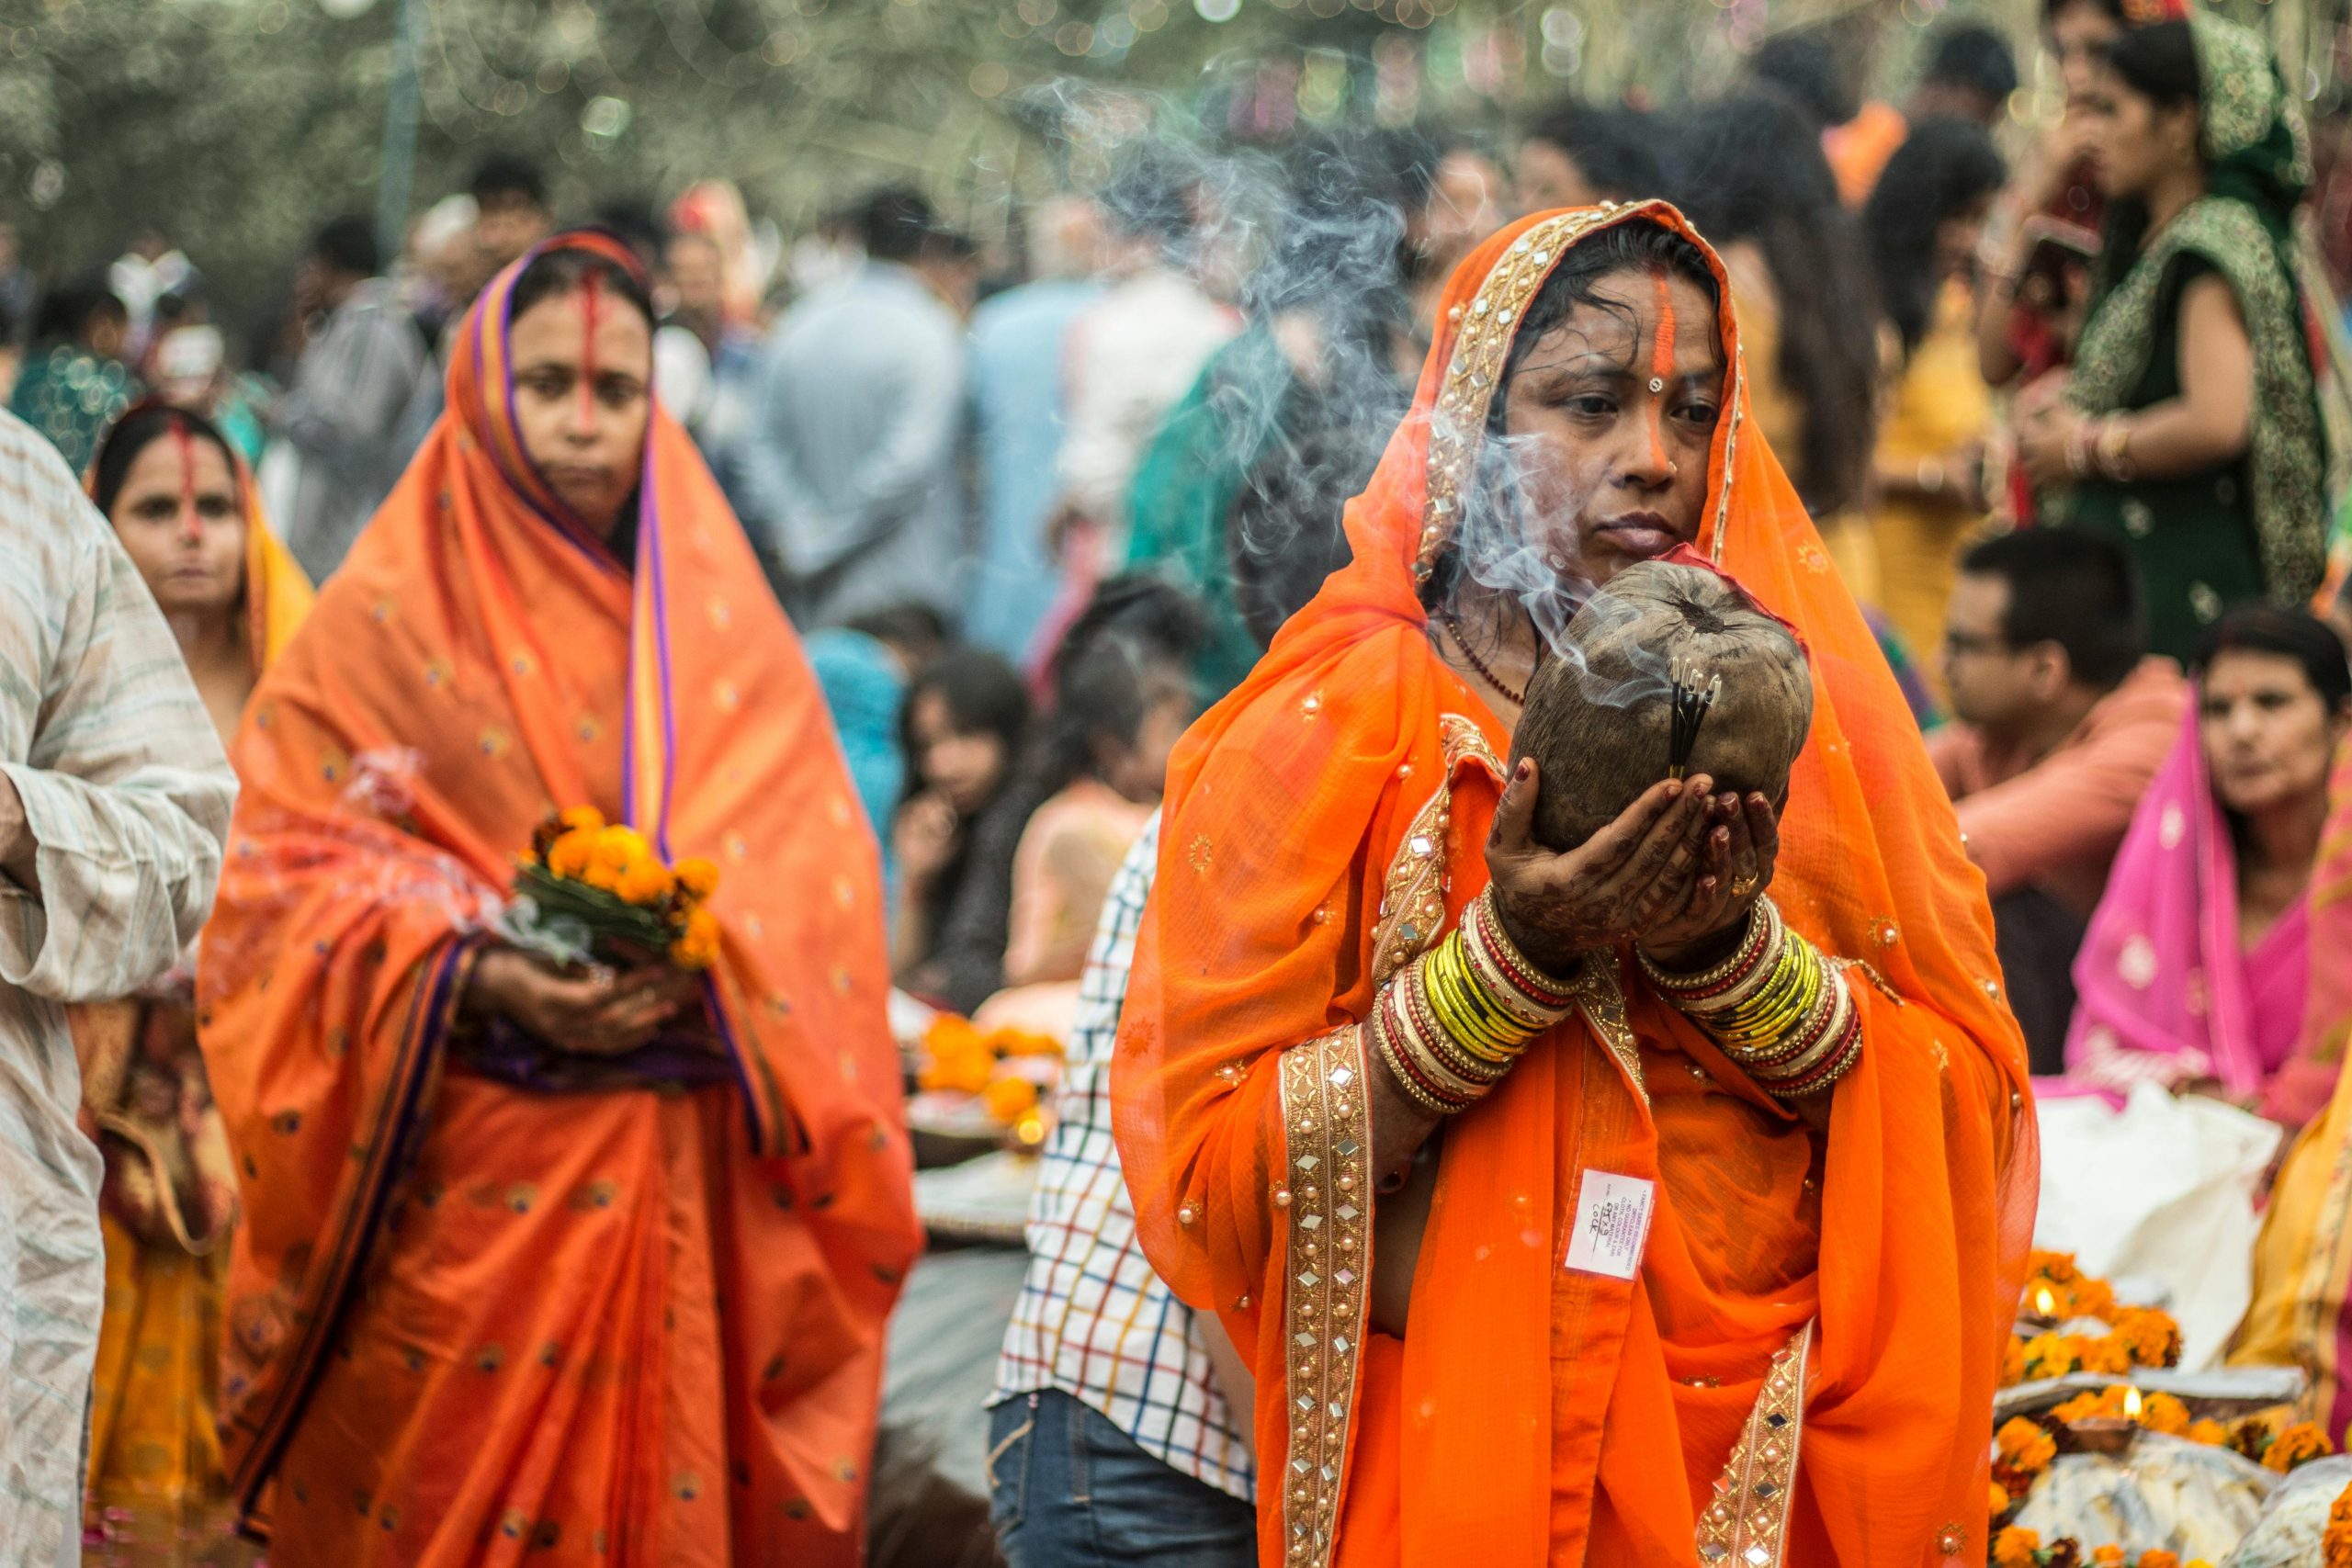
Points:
(2108, 1354)
(1026, 1042)
(1998, 1499)
(697, 946)
(585, 818)
(2159, 1560)
(2025, 1444)
(570, 854)
(621, 848)
(645, 882)
(2088, 1403)
(2107, 1556)
(2165, 1413)
(2151, 1337)
(2335, 1546)
(2058, 1268)
(2299, 1444)
(698, 877)
(2212, 1434)
(2014, 1547)
(2013, 1363)
(1008, 1097)
(2093, 1298)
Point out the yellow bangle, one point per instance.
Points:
(1462, 1010)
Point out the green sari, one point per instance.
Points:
(2253, 527)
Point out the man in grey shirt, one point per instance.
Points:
(336, 452)
(850, 469)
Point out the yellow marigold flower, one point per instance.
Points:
(2211, 1433)
(1998, 1501)
(2164, 1413)
(697, 878)
(1008, 1097)
(586, 818)
(2052, 1355)
(645, 882)
(2014, 1547)
(1026, 1042)
(621, 847)
(697, 946)
(570, 854)
(2297, 1444)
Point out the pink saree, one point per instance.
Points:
(2166, 993)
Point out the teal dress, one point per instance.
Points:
(2253, 527)
(71, 396)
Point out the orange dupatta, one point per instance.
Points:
(1324, 823)
(633, 1327)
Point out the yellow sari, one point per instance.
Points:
(156, 1488)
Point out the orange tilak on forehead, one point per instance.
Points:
(185, 445)
(592, 307)
(1662, 347)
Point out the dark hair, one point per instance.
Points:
(66, 311)
(983, 696)
(913, 625)
(1347, 200)
(1751, 167)
(1283, 536)
(347, 243)
(2113, 10)
(1974, 59)
(505, 175)
(2159, 62)
(1614, 149)
(1944, 168)
(895, 223)
(1803, 67)
(1151, 197)
(557, 270)
(2071, 587)
(1488, 525)
(1129, 649)
(633, 220)
(139, 428)
(2289, 634)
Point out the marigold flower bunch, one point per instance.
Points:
(962, 1058)
(2057, 1291)
(590, 889)
(2016, 1548)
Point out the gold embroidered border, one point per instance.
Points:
(1326, 1141)
(1458, 422)
(1746, 1525)
(1412, 896)
(1601, 997)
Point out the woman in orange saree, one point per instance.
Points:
(594, 1267)
(189, 516)
(1800, 1367)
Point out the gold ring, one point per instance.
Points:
(1741, 887)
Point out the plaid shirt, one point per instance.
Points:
(1094, 1321)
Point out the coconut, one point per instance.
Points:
(1598, 718)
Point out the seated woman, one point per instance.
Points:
(1689, 1276)
(2189, 429)
(961, 730)
(187, 513)
(1122, 693)
(589, 1264)
(2194, 970)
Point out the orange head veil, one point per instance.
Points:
(1295, 819)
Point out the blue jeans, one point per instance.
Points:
(1070, 1490)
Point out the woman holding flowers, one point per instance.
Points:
(584, 1260)
(1653, 1294)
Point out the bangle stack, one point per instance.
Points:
(2099, 448)
(1776, 1007)
(1456, 1020)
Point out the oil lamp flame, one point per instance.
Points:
(2044, 1302)
(2132, 1404)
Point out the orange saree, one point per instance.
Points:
(469, 1318)
(1837, 1302)
(155, 1486)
